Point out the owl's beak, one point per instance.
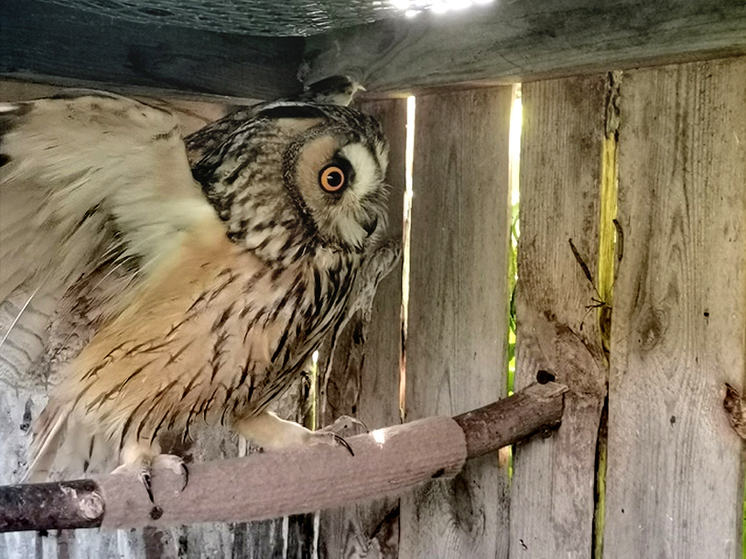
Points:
(370, 226)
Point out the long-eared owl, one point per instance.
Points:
(229, 270)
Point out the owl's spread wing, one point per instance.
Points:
(88, 178)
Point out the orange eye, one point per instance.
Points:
(332, 178)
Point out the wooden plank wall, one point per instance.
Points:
(504, 42)
(552, 498)
(456, 349)
(674, 483)
(673, 475)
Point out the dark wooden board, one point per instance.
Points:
(458, 311)
(528, 39)
(55, 44)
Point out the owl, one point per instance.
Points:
(228, 272)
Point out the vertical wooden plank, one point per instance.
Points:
(552, 496)
(674, 483)
(364, 381)
(458, 310)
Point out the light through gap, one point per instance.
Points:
(407, 228)
(514, 163)
(514, 159)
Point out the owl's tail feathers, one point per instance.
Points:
(49, 432)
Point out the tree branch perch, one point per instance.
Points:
(387, 462)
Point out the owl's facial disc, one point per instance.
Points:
(340, 183)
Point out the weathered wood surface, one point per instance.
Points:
(674, 481)
(458, 308)
(552, 494)
(514, 41)
(50, 42)
(364, 379)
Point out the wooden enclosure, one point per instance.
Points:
(638, 175)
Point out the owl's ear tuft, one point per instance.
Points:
(291, 110)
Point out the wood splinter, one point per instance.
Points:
(387, 462)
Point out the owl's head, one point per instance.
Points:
(300, 175)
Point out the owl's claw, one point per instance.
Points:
(144, 470)
(185, 473)
(343, 425)
(175, 464)
(346, 425)
(344, 443)
(329, 438)
(144, 477)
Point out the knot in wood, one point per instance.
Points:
(652, 327)
(91, 506)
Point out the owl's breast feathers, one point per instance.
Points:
(215, 334)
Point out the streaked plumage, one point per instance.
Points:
(218, 291)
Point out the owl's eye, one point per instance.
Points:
(334, 177)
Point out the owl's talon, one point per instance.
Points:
(329, 438)
(175, 465)
(144, 477)
(185, 473)
(344, 443)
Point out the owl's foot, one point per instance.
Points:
(343, 426)
(143, 464)
(175, 464)
(271, 433)
(142, 468)
(346, 426)
(331, 439)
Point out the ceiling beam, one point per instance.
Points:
(55, 44)
(521, 40)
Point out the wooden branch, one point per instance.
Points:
(55, 44)
(508, 42)
(386, 462)
(38, 506)
(538, 407)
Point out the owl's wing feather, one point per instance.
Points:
(90, 177)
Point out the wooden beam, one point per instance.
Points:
(526, 40)
(55, 44)
(386, 462)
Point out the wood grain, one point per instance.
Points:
(57, 44)
(552, 497)
(364, 379)
(674, 483)
(515, 41)
(458, 311)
